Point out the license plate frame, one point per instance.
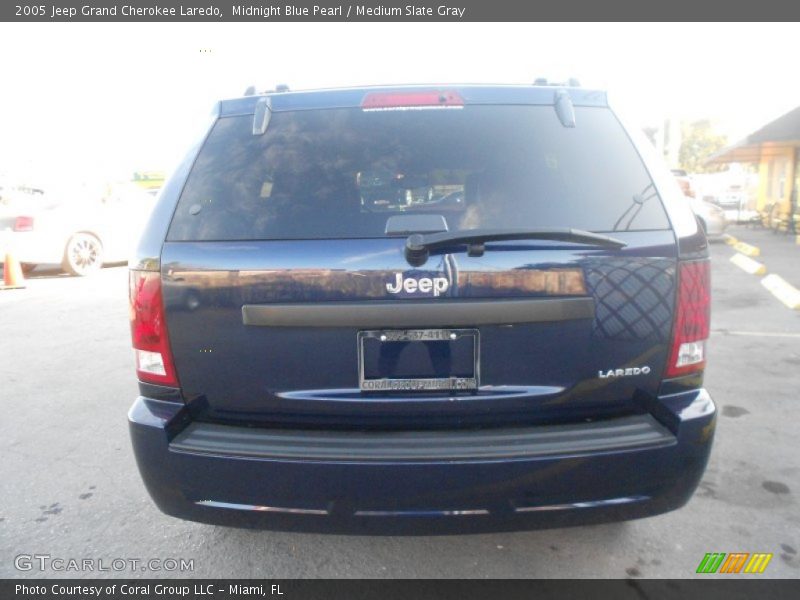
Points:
(419, 384)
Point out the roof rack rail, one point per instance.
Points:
(571, 82)
(252, 91)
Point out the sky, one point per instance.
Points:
(102, 100)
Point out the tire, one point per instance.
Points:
(83, 255)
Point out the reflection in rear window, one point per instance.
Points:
(341, 173)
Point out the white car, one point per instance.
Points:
(78, 229)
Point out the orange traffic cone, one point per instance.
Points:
(12, 273)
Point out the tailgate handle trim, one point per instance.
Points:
(440, 313)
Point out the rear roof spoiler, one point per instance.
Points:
(472, 95)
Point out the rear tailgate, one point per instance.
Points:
(593, 331)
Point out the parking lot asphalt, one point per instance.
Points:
(70, 488)
(779, 252)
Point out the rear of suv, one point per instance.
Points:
(420, 309)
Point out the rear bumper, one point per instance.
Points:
(424, 482)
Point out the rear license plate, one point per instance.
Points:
(418, 359)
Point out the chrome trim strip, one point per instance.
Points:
(257, 508)
(573, 505)
(420, 513)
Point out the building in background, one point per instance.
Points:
(775, 148)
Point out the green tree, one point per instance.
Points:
(698, 142)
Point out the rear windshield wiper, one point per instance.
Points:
(419, 245)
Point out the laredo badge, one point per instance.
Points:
(629, 372)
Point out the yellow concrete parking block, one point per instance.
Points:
(732, 241)
(746, 249)
(748, 265)
(782, 290)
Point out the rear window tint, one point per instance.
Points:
(342, 173)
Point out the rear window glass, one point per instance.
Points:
(342, 173)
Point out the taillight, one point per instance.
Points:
(23, 224)
(149, 330)
(411, 100)
(692, 319)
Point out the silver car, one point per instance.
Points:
(711, 217)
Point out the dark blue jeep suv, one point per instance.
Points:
(420, 309)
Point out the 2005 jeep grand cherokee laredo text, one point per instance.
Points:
(421, 309)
